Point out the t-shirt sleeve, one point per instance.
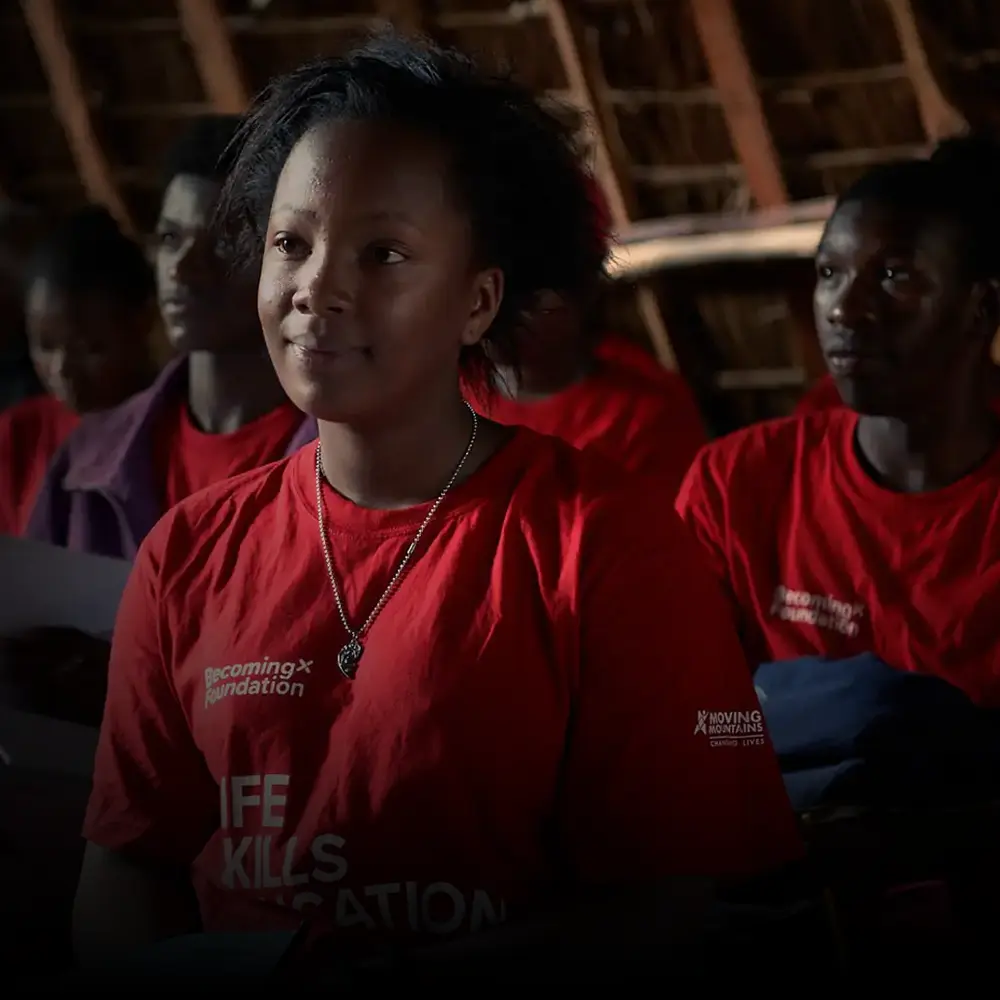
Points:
(669, 768)
(152, 795)
(702, 506)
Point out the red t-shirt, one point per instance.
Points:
(531, 702)
(30, 434)
(630, 356)
(188, 459)
(818, 559)
(652, 429)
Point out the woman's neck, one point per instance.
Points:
(408, 460)
(930, 452)
(228, 391)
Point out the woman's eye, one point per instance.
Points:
(386, 255)
(825, 272)
(288, 244)
(896, 274)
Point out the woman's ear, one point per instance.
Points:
(486, 298)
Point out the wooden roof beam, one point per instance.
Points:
(729, 67)
(585, 78)
(204, 29)
(925, 67)
(611, 158)
(48, 30)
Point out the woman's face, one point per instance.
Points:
(90, 351)
(895, 311)
(368, 288)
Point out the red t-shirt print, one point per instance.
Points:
(31, 432)
(820, 560)
(528, 703)
(188, 459)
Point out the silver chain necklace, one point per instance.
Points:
(349, 657)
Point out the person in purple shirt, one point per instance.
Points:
(215, 411)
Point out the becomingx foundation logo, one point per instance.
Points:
(257, 677)
(822, 610)
(731, 729)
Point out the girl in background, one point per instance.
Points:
(90, 308)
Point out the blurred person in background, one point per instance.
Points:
(215, 411)
(593, 390)
(21, 227)
(90, 307)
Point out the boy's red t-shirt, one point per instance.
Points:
(188, 459)
(30, 434)
(818, 559)
(650, 428)
(553, 692)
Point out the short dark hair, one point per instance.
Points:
(88, 252)
(960, 180)
(515, 166)
(200, 149)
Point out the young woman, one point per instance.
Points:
(431, 672)
(214, 412)
(875, 527)
(593, 391)
(90, 308)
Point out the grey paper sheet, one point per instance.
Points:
(44, 585)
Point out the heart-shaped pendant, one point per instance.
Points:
(348, 659)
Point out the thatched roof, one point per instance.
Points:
(693, 108)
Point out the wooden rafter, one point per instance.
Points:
(204, 28)
(925, 68)
(611, 158)
(729, 67)
(584, 76)
(48, 31)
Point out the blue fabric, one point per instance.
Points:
(858, 731)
